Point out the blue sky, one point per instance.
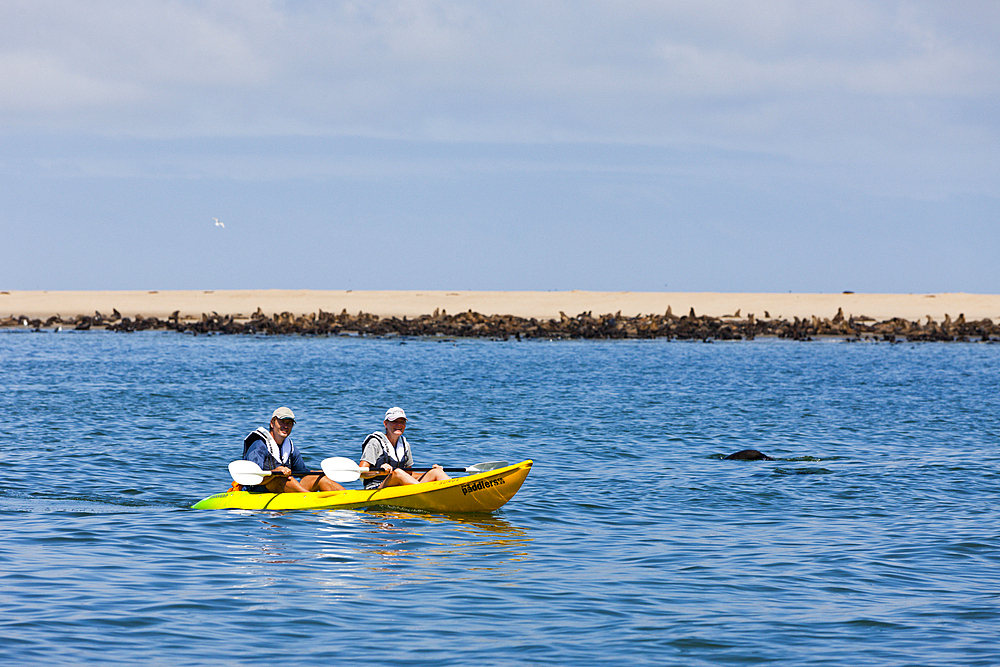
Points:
(631, 145)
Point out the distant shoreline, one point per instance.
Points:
(242, 304)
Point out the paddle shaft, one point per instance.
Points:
(382, 473)
(296, 473)
(341, 469)
(377, 473)
(270, 473)
(420, 469)
(301, 473)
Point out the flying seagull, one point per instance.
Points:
(219, 224)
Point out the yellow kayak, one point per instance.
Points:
(481, 492)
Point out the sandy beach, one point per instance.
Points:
(541, 305)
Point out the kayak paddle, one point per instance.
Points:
(341, 469)
(248, 473)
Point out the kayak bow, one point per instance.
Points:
(481, 492)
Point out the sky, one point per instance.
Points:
(628, 145)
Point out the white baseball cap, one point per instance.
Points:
(283, 413)
(392, 414)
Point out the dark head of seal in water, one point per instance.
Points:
(748, 455)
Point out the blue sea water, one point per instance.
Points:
(873, 539)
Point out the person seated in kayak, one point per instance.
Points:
(389, 452)
(272, 449)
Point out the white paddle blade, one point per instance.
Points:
(246, 473)
(489, 465)
(341, 470)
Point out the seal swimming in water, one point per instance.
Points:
(748, 455)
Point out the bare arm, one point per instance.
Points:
(367, 472)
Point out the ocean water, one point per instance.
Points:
(873, 539)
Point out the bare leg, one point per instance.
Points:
(401, 477)
(320, 483)
(280, 484)
(398, 478)
(433, 475)
(308, 483)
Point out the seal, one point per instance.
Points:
(748, 455)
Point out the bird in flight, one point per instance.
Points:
(219, 224)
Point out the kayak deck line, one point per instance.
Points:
(479, 492)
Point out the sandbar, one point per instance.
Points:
(191, 304)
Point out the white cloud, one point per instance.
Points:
(902, 87)
(58, 59)
(604, 70)
(39, 82)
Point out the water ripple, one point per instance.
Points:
(872, 538)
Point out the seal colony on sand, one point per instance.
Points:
(585, 325)
(703, 316)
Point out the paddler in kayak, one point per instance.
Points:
(273, 450)
(390, 452)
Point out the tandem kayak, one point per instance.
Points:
(481, 492)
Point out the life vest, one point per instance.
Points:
(388, 455)
(274, 457)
